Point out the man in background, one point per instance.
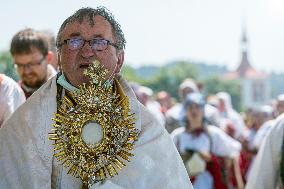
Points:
(29, 49)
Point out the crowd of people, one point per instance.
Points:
(218, 145)
(195, 141)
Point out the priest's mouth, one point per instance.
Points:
(85, 66)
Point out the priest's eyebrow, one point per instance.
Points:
(78, 34)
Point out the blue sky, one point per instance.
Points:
(160, 31)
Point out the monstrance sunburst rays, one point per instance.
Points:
(96, 107)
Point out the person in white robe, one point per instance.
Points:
(11, 97)
(268, 165)
(27, 158)
(229, 115)
(264, 129)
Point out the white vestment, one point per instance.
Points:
(26, 153)
(265, 171)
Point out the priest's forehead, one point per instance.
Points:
(89, 14)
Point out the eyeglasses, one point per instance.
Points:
(29, 65)
(96, 44)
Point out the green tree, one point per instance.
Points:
(214, 85)
(7, 66)
(129, 73)
(170, 77)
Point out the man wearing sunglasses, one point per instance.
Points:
(90, 37)
(29, 49)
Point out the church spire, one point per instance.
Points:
(244, 65)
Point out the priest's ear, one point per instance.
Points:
(120, 61)
(59, 61)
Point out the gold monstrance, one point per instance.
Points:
(94, 132)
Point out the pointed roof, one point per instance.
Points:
(245, 69)
(244, 66)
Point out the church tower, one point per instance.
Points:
(244, 65)
(255, 90)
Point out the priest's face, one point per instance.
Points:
(78, 51)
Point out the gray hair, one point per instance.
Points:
(89, 13)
